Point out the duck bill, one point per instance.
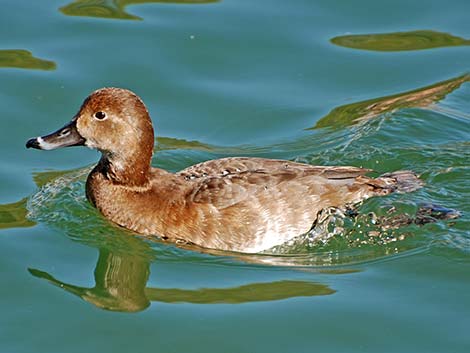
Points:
(64, 137)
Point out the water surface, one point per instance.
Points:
(224, 78)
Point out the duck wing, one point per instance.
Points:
(235, 165)
(228, 181)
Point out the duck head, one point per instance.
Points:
(114, 121)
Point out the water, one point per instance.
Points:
(225, 78)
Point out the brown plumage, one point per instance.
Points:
(238, 204)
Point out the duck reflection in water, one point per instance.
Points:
(121, 285)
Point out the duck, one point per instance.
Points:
(237, 204)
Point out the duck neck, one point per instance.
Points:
(128, 170)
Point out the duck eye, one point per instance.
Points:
(100, 115)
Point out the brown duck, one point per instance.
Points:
(238, 204)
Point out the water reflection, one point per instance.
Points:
(170, 143)
(400, 41)
(13, 215)
(121, 285)
(24, 59)
(116, 8)
(354, 113)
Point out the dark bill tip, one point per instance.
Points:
(33, 143)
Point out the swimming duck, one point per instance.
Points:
(237, 203)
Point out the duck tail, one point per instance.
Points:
(401, 181)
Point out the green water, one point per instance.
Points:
(382, 85)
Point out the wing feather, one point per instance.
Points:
(228, 181)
